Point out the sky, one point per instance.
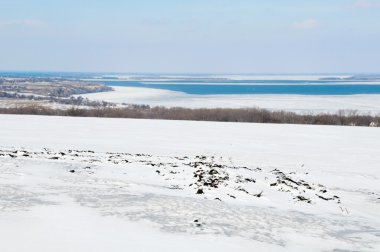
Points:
(191, 36)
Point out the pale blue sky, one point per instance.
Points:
(204, 36)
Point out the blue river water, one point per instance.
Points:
(204, 86)
(270, 87)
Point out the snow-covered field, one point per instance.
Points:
(365, 104)
(96, 184)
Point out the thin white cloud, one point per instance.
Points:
(366, 4)
(28, 23)
(307, 24)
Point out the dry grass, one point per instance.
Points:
(249, 115)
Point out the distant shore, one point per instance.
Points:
(363, 104)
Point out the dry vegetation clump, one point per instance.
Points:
(249, 115)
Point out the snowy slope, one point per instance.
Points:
(95, 184)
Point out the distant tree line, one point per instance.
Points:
(248, 115)
(77, 101)
(69, 91)
(51, 86)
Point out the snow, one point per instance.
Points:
(255, 77)
(96, 184)
(365, 104)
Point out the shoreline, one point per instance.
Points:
(363, 104)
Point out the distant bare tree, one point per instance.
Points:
(250, 115)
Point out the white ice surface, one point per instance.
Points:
(255, 77)
(111, 205)
(297, 103)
